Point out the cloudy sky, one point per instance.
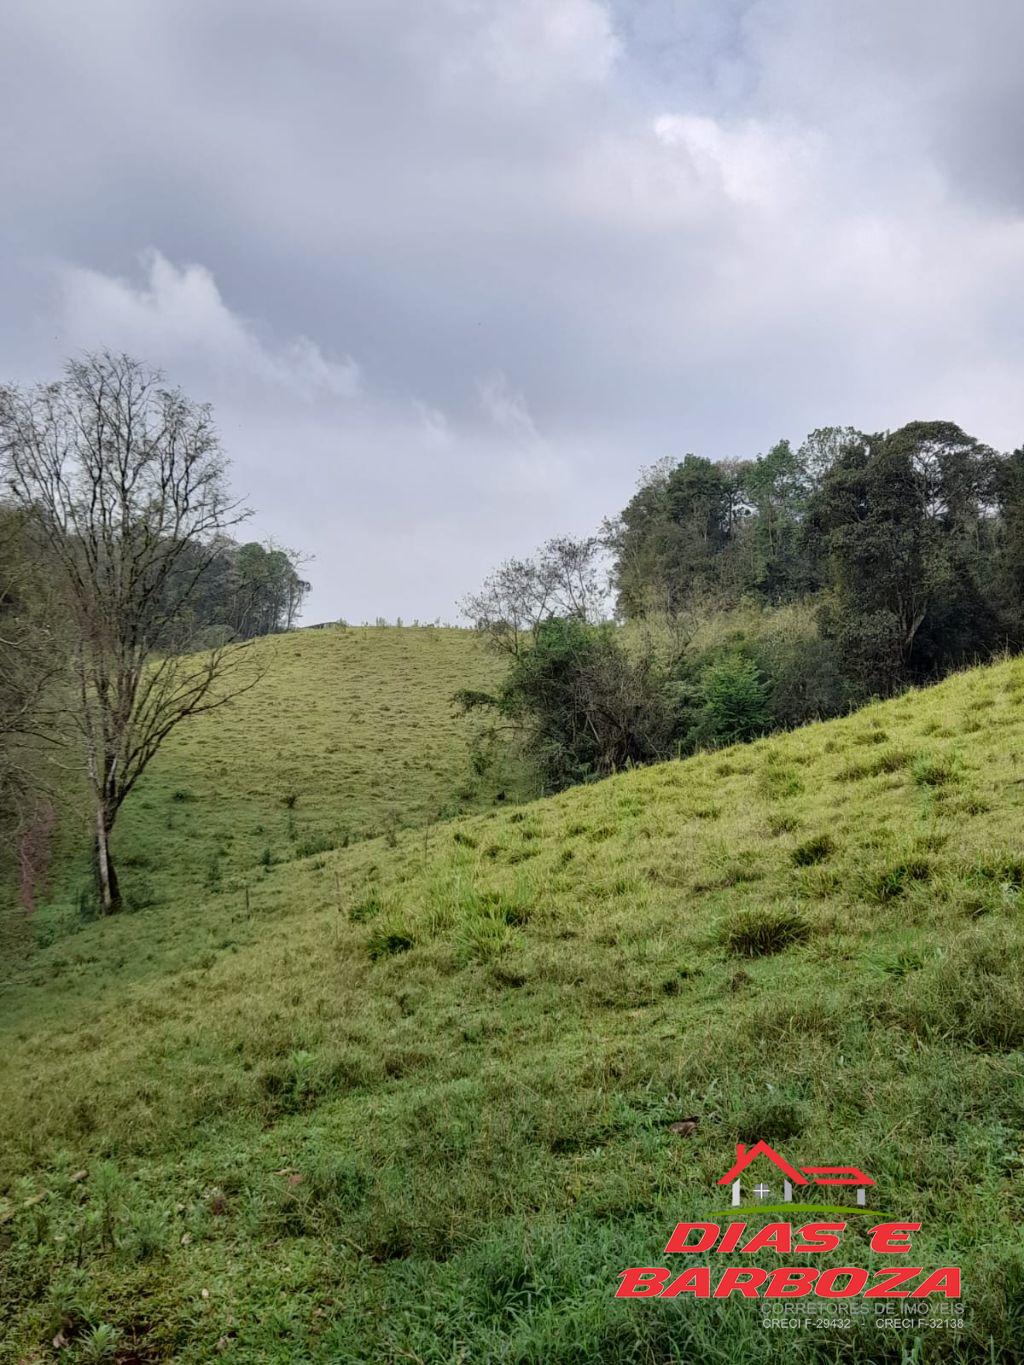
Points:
(452, 272)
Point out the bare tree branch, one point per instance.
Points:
(564, 578)
(123, 483)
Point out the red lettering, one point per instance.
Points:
(826, 1286)
(708, 1236)
(745, 1279)
(820, 1236)
(696, 1280)
(893, 1238)
(887, 1287)
(642, 1282)
(790, 1282)
(733, 1233)
(772, 1237)
(947, 1279)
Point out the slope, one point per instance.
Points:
(415, 1102)
(351, 732)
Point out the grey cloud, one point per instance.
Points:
(451, 273)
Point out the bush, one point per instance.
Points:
(804, 675)
(736, 705)
(584, 706)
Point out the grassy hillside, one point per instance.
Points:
(350, 733)
(413, 1102)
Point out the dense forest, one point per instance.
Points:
(758, 594)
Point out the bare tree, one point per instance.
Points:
(122, 482)
(563, 578)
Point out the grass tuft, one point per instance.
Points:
(387, 940)
(894, 878)
(762, 932)
(891, 760)
(814, 850)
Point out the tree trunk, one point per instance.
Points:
(106, 875)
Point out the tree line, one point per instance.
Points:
(744, 596)
(126, 604)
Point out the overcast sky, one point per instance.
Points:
(452, 272)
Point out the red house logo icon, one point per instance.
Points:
(792, 1176)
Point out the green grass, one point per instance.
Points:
(411, 1100)
(350, 734)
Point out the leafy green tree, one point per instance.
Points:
(264, 590)
(581, 705)
(236, 592)
(737, 703)
(670, 539)
(774, 489)
(1009, 550)
(905, 519)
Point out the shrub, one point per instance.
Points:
(803, 671)
(584, 707)
(736, 705)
